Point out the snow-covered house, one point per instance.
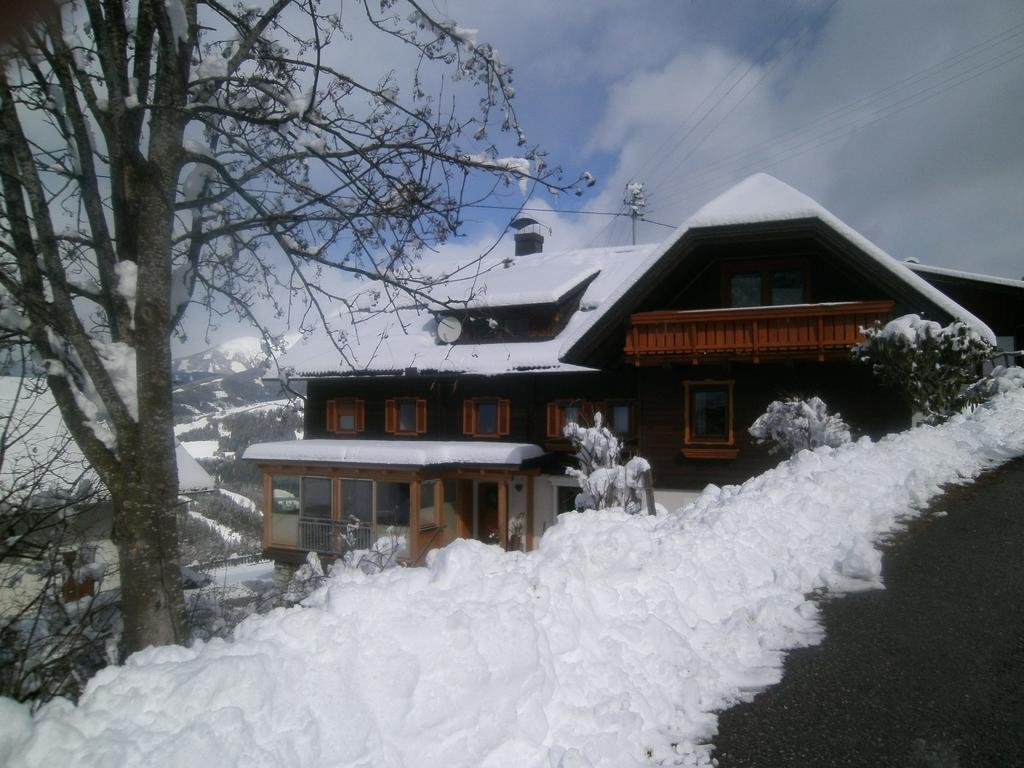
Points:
(451, 426)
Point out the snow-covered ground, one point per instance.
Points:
(613, 644)
(243, 501)
(229, 535)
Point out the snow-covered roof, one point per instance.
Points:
(192, 478)
(388, 340)
(973, 277)
(405, 453)
(759, 199)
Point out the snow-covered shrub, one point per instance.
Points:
(792, 425)
(934, 367)
(381, 555)
(1001, 379)
(307, 579)
(603, 479)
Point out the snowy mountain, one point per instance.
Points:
(245, 353)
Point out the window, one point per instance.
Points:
(708, 431)
(485, 417)
(392, 504)
(767, 284)
(428, 503)
(316, 497)
(405, 416)
(284, 510)
(562, 412)
(618, 416)
(357, 500)
(345, 416)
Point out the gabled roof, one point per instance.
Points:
(757, 201)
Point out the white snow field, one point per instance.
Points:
(613, 644)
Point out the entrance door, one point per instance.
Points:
(486, 523)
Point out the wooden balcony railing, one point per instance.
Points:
(751, 333)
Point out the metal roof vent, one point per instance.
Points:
(529, 235)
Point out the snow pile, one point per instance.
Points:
(612, 645)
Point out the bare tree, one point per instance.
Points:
(53, 629)
(159, 153)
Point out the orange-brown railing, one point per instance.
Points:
(752, 332)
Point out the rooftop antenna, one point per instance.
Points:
(636, 201)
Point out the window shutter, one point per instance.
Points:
(421, 417)
(389, 416)
(504, 417)
(468, 417)
(360, 416)
(554, 419)
(332, 416)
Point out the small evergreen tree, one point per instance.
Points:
(932, 366)
(792, 425)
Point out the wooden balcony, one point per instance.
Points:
(751, 333)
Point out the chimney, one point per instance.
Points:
(529, 235)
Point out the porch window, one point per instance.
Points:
(562, 412)
(392, 508)
(345, 416)
(485, 417)
(357, 500)
(284, 511)
(405, 416)
(428, 504)
(709, 430)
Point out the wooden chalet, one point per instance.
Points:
(453, 426)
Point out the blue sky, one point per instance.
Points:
(903, 118)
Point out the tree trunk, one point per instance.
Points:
(145, 528)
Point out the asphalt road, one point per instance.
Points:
(928, 672)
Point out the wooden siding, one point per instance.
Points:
(752, 332)
(849, 390)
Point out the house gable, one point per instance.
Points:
(789, 225)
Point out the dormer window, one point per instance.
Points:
(764, 284)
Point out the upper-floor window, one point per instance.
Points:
(485, 417)
(405, 416)
(562, 412)
(345, 416)
(753, 284)
(709, 429)
(619, 416)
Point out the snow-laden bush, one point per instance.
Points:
(1001, 379)
(603, 479)
(792, 425)
(934, 367)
